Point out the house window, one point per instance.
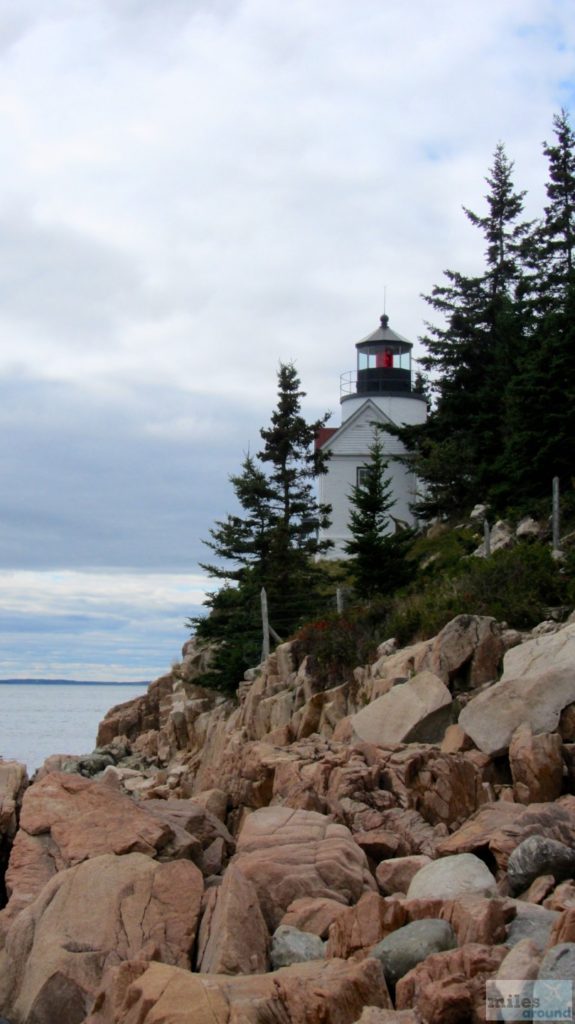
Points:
(362, 476)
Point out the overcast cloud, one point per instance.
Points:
(193, 191)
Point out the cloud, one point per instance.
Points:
(194, 191)
(100, 625)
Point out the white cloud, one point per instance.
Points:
(93, 626)
(195, 190)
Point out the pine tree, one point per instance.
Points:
(556, 249)
(540, 400)
(271, 542)
(471, 357)
(294, 461)
(377, 554)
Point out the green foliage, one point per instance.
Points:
(271, 542)
(443, 549)
(377, 551)
(500, 361)
(516, 586)
(502, 353)
(336, 644)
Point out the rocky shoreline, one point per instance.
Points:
(373, 852)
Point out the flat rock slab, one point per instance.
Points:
(555, 650)
(334, 991)
(491, 718)
(388, 719)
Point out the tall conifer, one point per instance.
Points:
(271, 542)
(377, 551)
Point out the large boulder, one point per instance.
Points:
(388, 719)
(288, 854)
(537, 699)
(501, 826)
(333, 990)
(88, 918)
(194, 826)
(13, 782)
(66, 819)
(450, 877)
(443, 788)
(521, 963)
(467, 652)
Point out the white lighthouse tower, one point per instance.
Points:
(380, 390)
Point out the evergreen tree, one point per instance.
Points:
(377, 553)
(470, 357)
(244, 540)
(289, 449)
(271, 542)
(555, 251)
(540, 415)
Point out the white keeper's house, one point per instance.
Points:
(379, 390)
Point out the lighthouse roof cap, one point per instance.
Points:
(385, 334)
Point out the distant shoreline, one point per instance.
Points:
(72, 682)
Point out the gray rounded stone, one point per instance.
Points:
(531, 922)
(291, 946)
(461, 874)
(406, 947)
(558, 964)
(536, 856)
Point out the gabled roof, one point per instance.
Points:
(377, 414)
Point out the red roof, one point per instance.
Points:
(323, 435)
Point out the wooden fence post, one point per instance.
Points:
(486, 538)
(265, 624)
(555, 515)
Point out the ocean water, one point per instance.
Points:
(39, 719)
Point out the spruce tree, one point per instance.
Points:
(294, 462)
(377, 553)
(556, 249)
(540, 400)
(270, 542)
(471, 355)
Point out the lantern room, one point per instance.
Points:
(383, 364)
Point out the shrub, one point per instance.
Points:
(336, 644)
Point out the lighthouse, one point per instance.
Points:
(379, 391)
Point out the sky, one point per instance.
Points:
(191, 192)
